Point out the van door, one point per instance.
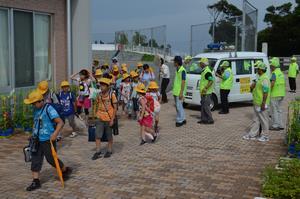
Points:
(243, 72)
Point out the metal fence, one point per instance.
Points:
(152, 40)
(234, 33)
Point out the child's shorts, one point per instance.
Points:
(85, 102)
(146, 121)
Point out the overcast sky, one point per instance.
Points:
(109, 16)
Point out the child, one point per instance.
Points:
(125, 89)
(106, 113)
(153, 92)
(83, 100)
(145, 118)
(134, 96)
(67, 100)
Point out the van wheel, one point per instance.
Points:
(184, 104)
(214, 102)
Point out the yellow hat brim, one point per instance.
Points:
(42, 91)
(140, 91)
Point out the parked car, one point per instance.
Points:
(242, 64)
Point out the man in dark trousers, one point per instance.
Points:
(165, 75)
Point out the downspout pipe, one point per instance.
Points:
(69, 39)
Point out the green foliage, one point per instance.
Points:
(148, 58)
(282, 33)
(122, 39)
(283, 183)
(139, 39)
(294, 122)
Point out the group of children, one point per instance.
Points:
(136, 100)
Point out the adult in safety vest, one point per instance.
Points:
(277, 95)
(261, 100)
(226, 77)
(293, 72)
(206, 90)
(179, 89)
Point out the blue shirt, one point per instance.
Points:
(67, 100)
(46, 124)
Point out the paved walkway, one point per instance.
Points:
(194, 161)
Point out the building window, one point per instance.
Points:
(4, 50)
(30, 35)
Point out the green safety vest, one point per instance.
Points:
(204, 82)
(258, 91)
(178, 81)
(278, 89)
(293, 70)
(227, 84)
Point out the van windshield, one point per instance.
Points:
(193, 67)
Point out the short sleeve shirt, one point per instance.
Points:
(67, 100)
(105, 108)
(45, 126)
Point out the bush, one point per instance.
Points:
(283, 183)
(148, 58)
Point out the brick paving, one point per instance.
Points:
(195, 161)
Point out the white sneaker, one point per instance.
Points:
(248, 137)
(73, 134)
(263, 138)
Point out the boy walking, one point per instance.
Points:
(44, 132)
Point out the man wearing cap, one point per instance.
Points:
(206, 89)
(293, 72)
(106, 113)
(44, 132)
(179, 89)
(225, 86)
(165, 75)
(189, 66)
(261, 100)
(277, 94)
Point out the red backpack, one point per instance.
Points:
(150, 103)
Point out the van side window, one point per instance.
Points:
(243, 67)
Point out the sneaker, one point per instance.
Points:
(248, 137)
(154, 138)
(263, 138)
(143, 142)
(73, 134)
(58, 138)
(96, 156)
(107, 154)
(66, 174)
(34, 185)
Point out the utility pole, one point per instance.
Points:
(244, 26)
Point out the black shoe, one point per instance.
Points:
(281, 128)
(96, 156)
(154, 139)
(34, 185)
(107, 154)
(201, 122)
(66, 174)
(143, 142)
(274, 129)
(223, 112)
(184, 122)
(209, 122)
(179, 124)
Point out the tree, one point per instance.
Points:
(122, 38)
(139, 39)
(282, 33)
(222, 13)
(153, 43)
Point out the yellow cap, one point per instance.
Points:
(43, 87)
(275, 62)
(105, 64)
(140, 64)
(125, 76)
(133, 74)
(64, 83)
(115, 68)
(33, 97)
(204, 61)
(225, 64)
(260, 65)
(153, 85)
(187, 58)
(105, 81)
(140, 88)
(124, 68)
(98, 72)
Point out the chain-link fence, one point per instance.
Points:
(227, 33)
(250, 27)
(152, 40)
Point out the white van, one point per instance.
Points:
(242, 64)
